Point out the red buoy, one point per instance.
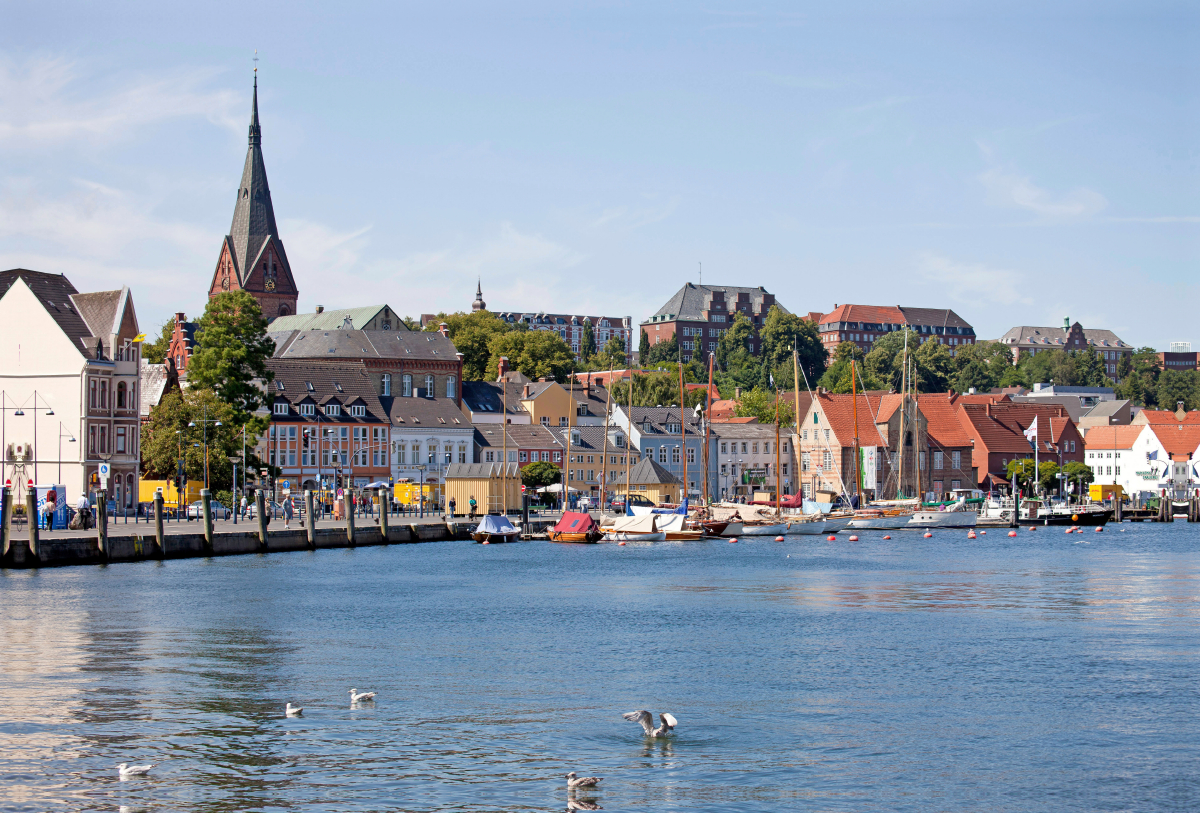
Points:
(622, 542)
(927, 534)
(1098, 529)
(971, 535)
(831, 538)
(1012, 533)
(854, 539)
(887, 537)
(733, 541)
(779, 539)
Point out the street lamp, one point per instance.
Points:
(421, 468)
(205, 422)
(61, 430)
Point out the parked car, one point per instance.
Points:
(618, 503)
(196, 509)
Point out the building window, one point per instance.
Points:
(955, 485)
(358, 411)
(804, 461)
(545, 421)
(785, 447)
(451, 387)
(308, 409)
(489, 457)
(1072, 445)
(557, 457)
(462, 453)
(674, 454)
(122, 392)
(387, 383)
(120, 440)
(785, 471)
(828, 460)
(724, 449)
(662, 454)
(281, 408)
(428, 386)
(755, 448)
(956, 459)
(937, 460)
(937, 486)
(333, 410)
(562, 422)
(691, 455)
(92, 440)
(921, 464)
(103, 439)
(406, 388)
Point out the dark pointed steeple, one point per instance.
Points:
(255, 252)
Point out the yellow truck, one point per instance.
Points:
(1099, 492)
(191, 491)
(410, 493)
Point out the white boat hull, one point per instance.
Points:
(923, 520)
(835, 525)
(880, 523)
(763, 530)
(732, 529)
(619, 536)
(806, 528)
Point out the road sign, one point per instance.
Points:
(104, 470)
(285, 483)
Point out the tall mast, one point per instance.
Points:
(778, 483)
(683, 432)
(916, 434)
(796, 398)
(604, 460)
(504, 448)
(707, 429)
(854, 401)
(570, 415)
(629, 446)
(903, 411)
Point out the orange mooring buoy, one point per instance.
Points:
(854, 539)
(779, 539)
(1012, 533)
(928, 534)
(1098, 529)
(622, 542)
(887, 537)
(733, 541)
(971, 535)
(831, 538)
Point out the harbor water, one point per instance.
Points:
(1050, 671)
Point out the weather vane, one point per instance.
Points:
(256, 60)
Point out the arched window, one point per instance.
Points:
(450, 387)
(121, 395)
(406, 386)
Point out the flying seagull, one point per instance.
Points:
(356, 696)
(128, 770)
(293, 711)
(575, 782)
(647, 720)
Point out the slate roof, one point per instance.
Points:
(425, 413)
(647, 472)
(933, 316)
(1113, 437)
(254, 214)
(1037, 336)
(659, 417)
(485, 397)
(749, 431)
(332, 319)
(83, 318)
(532, 436)
(339, 343)
(355, 382)
(690, 301)
(591, 438)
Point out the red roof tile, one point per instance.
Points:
(839, 414)
(1112, 437)
(1180, 440)
(1153, 416)
(942, 420)
(875, 314)
(1001, 426)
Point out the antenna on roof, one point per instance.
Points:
(701, 273)
(256, 61)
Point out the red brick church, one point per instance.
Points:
(252, 256)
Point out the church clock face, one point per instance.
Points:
(269, 284)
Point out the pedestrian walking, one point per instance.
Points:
(245, 505)
(452, 506)
(287, 514)
(471, 503)
(51, 504)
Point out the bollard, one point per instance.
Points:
(32, 517)
(383, 519)
(158, 523)
(102, 523)
(1117, 509)
(1016, 510)
(348, 508)
(206, 515)
(310, 521)
(5, 520)
(260, 511)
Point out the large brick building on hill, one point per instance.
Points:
(865, 324)
(699, 314)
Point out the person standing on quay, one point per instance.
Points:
(287, 513)
(51, 504)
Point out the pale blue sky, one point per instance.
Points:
(1019, 167)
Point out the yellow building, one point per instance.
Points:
(548, 403)
(652, 481)
(494, 486)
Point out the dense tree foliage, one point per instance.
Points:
(232, 352)
(654, 390)
(168, 435)
(155, 352)
(540, 475)
(762, 404)
(536, 353)
(587, 344)
(472, 334)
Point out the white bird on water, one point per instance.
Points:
(293, 711)
(356, 696)
(575, 782)
(126, 770)
(647, 720)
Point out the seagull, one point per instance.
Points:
(647, 720)
(575, 782)
(294, 711)
(128, 770)
(356, 696)
(581, 804)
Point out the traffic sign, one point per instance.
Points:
(285, 483)
(104, 470)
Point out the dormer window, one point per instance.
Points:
(281, 408)
(308, 410)
(279, 385)
(358, 411)
(333, 410)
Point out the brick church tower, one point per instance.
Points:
(252, 255)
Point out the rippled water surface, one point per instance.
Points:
(1047, 672)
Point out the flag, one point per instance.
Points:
(1031, 432)
(141, 337)
(1152, 455)
(772, 377)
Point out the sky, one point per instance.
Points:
(1020, 165)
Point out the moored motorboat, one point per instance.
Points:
(806, 525)
(642, 528)
(676, 529)
(763, 529)
(494, 528)
(924, 520)
(837, 522)
(576, 527)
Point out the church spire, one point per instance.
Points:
(255, 130)
(479, 304)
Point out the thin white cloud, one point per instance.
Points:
(51, 101)
(317, 251)
(1008, 188)
(634, 217)
(973, 283)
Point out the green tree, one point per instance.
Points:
(760, 403)
(540, 475)
(613, 353)
(1175, 386)
(780, 333)
(536, 353)
(1078, 473)
(156, 351)
(1140, 381)
(1048, 475)
(838, 377)
(934, 367)
(1089, 370)
(981, 365)
(643, 347)
(665, 353)
(168, 434)
(472, 334)
(1021, 473)
(654, 390)
(232, 352)
(587, 345)
(738, 367)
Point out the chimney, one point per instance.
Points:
(320, 308)
(971, 391)
(180, 317)
(737, 393)
(525, 392)
(443, 329)
(502, 368)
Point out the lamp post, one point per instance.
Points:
(234, 491)
(421, 468)
(204, 423)
(61, 430)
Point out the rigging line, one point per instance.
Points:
(829, 448)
